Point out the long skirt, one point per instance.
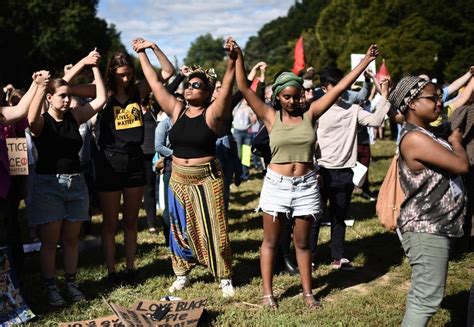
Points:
(198, 224)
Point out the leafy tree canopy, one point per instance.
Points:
(207, 52)
(36, 34)
(430, 36)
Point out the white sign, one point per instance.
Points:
(356, 58)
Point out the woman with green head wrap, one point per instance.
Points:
(290, 189)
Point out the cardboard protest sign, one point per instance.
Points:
(13, 309)
(17, 155)
(148, 313)
(132, 317)
(181, 312)
(110, 321)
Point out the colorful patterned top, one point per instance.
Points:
(434, 199)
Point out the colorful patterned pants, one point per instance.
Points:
(197, 220)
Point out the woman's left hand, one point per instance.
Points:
(231, 47)
(385, 86)
(372, 52)
(92, 59)
(140, 44)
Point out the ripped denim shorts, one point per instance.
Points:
(295, 196)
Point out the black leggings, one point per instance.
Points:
(149, 195)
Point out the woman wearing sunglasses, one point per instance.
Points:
(290, 189)
(196, 190)
(433, 211)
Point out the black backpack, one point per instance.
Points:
(261, 145)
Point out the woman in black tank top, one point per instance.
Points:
(196, 185)
(60, 201)
(119, 164)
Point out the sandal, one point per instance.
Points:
(269, 302)
(313, 304)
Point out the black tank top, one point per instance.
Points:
(121, 125)
(58, 146)
(192, 138)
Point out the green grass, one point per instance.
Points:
(373, 295)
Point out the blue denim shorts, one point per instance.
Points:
(295, 196)
(58, 197)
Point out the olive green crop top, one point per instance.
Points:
(292, 143)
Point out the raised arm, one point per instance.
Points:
(35, 120)
(182, 74)
(462, 98)
(167, 101)
(457, 84)
(85, 112)
(220, 109)
(264, 112)
(167, 68)
(382, 108)
(361, 95)
(9, 115)
(253, 71)
(320, 106)
(85, 90)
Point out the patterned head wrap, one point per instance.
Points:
(208, 76)
(284, 80)
(405, 91)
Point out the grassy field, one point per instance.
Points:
(372, 295)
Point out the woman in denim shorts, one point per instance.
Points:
(290, 188)
(59, 201)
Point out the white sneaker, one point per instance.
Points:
(227, 288)
(180, 283)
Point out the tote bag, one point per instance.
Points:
(390, 197)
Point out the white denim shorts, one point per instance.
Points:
(296, 196)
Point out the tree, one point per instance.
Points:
(36, 34)
(207, 52)
(410, 35)
(205, 49)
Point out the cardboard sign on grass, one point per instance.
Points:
(130, 317)
(110, 321)
(181, 312)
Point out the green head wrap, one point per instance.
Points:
(284, 80)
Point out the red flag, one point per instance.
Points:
(254, 84)
(299, 56)
(383, 72)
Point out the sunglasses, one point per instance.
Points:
(194, 85)
(434, 98)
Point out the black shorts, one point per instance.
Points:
(116, 170)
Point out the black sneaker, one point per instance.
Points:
(54, 297)
(113, 280)
(368, 196)
(73, 293)
(130, 276)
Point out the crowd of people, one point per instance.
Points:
(111, 140)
